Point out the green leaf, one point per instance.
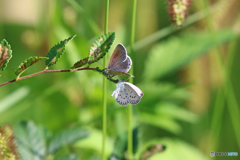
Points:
(163, 91)
(67, 157)
(30, 141)
(175, 52)
(101, 46)
(65, 138)
(163, 122)
(28, 63)
(80, 63)
(5, 54)
(120, 145)
(172, 110)
(56, 52)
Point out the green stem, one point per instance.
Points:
(218, 110)
(130, 107)
(104, 127)
(228, 94)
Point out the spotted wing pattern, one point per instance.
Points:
(134, 93)
(121, 95)
(127, 93)
(119, 55)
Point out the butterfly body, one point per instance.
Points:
(119, 73)
(127, 93)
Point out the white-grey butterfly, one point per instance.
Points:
(127, 93)
(119, 63)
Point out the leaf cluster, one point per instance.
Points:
(36, 143)
(97, 51)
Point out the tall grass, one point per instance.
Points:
(226, 93)
(130, 107)
(104, 121)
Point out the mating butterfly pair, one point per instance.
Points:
(119, 64)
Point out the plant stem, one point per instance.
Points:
(104, 127)
(130, 107)
(45, 71)
(218, 110)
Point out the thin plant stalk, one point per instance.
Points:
(130, 107)
(45, 71)
(104, 120)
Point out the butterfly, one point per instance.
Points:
(119, 63)
(127, 93)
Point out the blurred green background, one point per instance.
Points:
(189, 75)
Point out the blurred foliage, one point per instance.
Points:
(41, 108)
(35, 142)
(177, 51)
(120, 146)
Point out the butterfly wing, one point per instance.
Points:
(119, 55)
(134, 93)
(114, 92)
(124, 66)
(129, 65)
(121, 95)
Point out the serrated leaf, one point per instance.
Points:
(67, 157)
(178, 51)
(5, 54)
(65, 138)
(28, 63)
(80, 63)
(56, 52)
(100, 47)
(30, 141)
